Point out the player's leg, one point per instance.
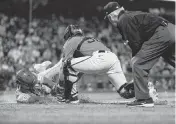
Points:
(116, 75)
(74, 94)
(144, 60)
(118, 79)
(141, 69)
(51, 72)
(105, 63)
(68, 81)
(169, 55)
(99, 63)
(42, 67)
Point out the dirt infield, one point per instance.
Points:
(104, 110)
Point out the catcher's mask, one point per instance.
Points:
(72, 30)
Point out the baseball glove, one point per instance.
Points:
(127, 90)
(26, 80)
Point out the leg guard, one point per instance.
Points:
(68, 88)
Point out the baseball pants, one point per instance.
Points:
(161, 44)
(99, 63)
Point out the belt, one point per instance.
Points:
(101, 51)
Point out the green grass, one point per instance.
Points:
(98, 108)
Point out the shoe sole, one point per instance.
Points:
(74, 102)
(143, 105)
(146, 105)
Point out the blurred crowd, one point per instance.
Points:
(23, 44)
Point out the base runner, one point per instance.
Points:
(37, 85)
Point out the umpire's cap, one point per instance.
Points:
(110, 7)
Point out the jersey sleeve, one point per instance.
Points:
(70, 46)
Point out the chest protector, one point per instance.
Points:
(77, 52)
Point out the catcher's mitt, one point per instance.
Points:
(127, 90)
(26, 80)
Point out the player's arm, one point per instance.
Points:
(50, 72)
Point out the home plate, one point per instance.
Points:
(112, 102)
(161, 102)
(124, 102)
(117, 102)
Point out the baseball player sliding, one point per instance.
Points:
(35, 85)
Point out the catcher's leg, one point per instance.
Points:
(69, 79)
(118, 79)
(74, 94)
(70, 94)
(101, 63)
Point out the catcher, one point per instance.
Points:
(87, 55)
(35, 85)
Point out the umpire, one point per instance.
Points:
(150, 37)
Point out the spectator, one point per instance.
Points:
(20, 48)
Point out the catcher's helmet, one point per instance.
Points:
(72, 30)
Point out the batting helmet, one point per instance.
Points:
(72, 30)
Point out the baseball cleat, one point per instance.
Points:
(142, 103)
(152, 92)
(73, 100)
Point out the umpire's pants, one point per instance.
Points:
(161, 44)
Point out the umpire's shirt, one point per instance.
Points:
(137, 27)
(87, 47)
